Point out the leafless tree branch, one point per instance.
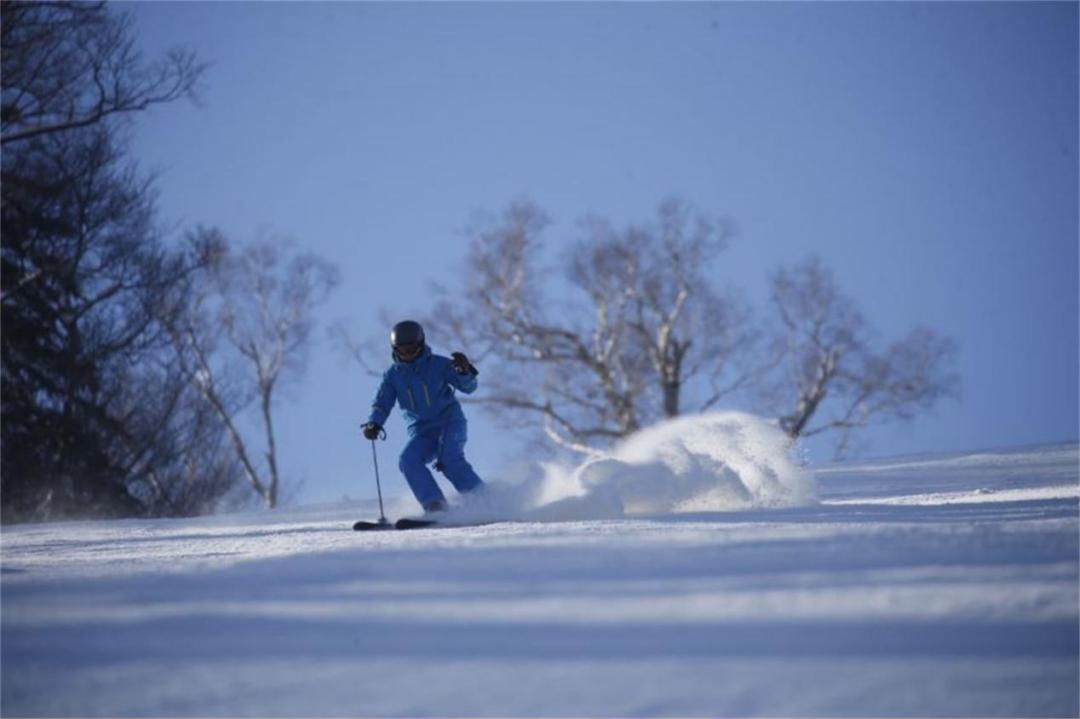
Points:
(73, 65)
(254, 313)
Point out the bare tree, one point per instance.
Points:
(688, 327)
(639, 321)
(245, 335)
(839, 382)
(68, 65)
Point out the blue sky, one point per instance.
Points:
(926, 151)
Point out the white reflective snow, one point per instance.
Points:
(930, 586)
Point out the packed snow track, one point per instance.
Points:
(943, 586)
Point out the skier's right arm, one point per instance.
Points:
(384, 401)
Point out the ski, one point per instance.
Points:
(410, 523)
(448, 523)
(365, 526)
(413, 523)
(404, 523)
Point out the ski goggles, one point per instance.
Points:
(409, 350)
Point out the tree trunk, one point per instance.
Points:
(671, 390)
(796, 422)
(271, 448)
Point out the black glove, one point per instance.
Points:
(462, 365)
(372, 430)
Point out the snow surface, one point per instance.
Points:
(922, 586)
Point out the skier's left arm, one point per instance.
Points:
(461, 373)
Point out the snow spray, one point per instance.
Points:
(722, 461)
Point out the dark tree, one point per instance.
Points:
(68, 65)
(89, 400)
(83, 268)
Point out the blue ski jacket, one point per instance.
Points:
(423, 389)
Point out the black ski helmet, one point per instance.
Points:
(407, 340)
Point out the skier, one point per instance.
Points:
(423, 385)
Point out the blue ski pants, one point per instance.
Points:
(444, 443)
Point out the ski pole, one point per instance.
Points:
(378, 484)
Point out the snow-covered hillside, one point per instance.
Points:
(936, 585)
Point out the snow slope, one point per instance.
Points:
(931, 586)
